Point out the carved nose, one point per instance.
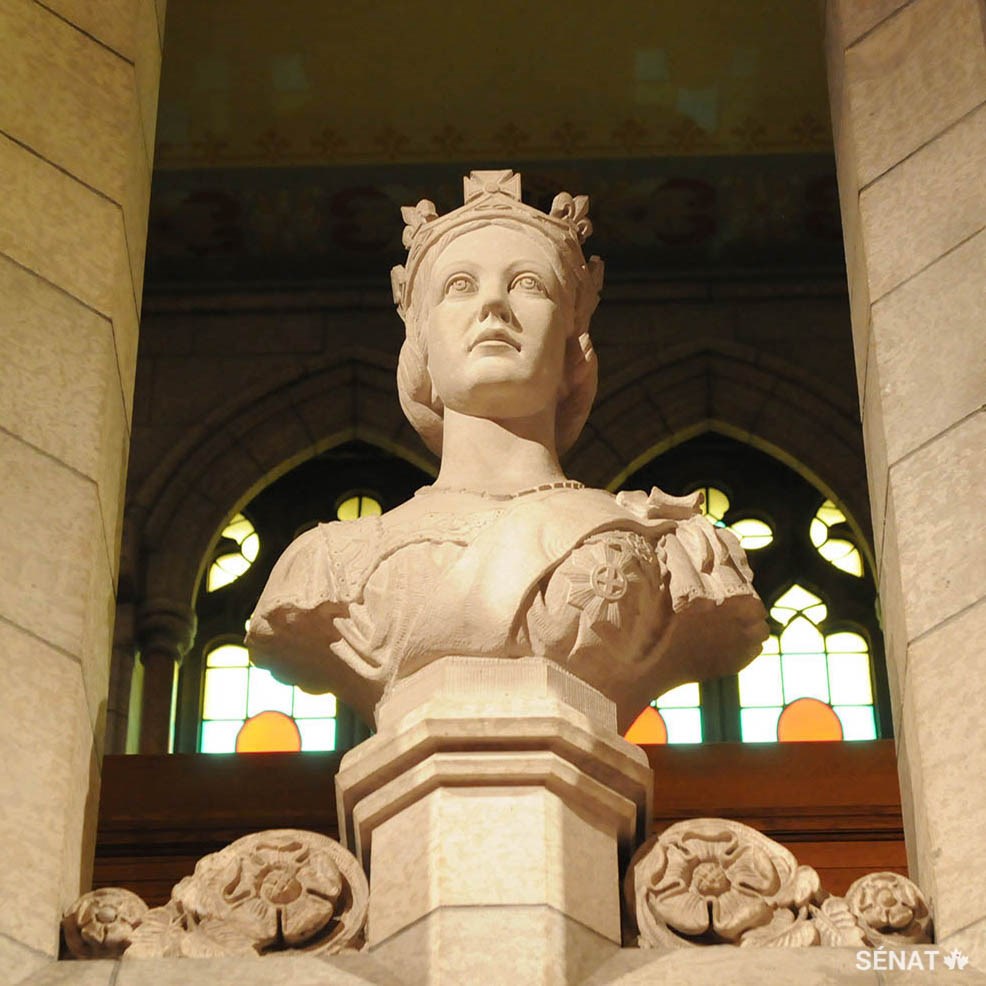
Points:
(494, 306)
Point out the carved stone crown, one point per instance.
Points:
(490, 195)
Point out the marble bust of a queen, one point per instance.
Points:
(503, 556)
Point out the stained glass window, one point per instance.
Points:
(802, 662)
(837, 551)
(753, 534)
(358, 505)
(230, 565)
(239, 703)
(674, 717)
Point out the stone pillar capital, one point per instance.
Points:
(165, 627)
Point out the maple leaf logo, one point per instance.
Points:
(956, 960)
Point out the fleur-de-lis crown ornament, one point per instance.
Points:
(489, 196)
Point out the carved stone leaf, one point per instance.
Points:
(786, 930)
(836, 924)
(802, 887)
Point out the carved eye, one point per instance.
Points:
(459, 284)
(528, 282)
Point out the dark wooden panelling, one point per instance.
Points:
(836, 806)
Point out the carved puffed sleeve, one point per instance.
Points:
(660, 597)
(300, 621)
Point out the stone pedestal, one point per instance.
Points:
(493, 809)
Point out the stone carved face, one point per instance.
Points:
(497, 325)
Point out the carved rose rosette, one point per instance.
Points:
(711, 881)
(278, 890)
(101, 924)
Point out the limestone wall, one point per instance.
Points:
(908, 94)
(78, 93)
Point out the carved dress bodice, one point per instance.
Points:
(614, 588)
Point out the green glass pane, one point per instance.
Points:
(760, 682)
(317, 734)
(759, 725)
(220, 737)
(225, 693)
(849, 679)
(313, 706)
(266, 693)
(805, 676)
(228, 656)
(802, 637)
(684, 725)
(682, 697)
(858, 721)
(846, 642)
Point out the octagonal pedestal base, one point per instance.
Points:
(492, 809)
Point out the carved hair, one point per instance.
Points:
(493, 198)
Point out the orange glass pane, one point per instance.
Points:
(808, 719)
(268, 732)
(648, 727)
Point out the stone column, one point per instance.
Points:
(165, 631)
(78, 92)
(492, 810)
(908, 93)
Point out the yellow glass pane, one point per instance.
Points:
(267, 693)
(317, 734)
(759, 725)
(348, 509)
(225, 693)
(250, 547)
(716, 503)
(796, 598)
(843, 555)
(772, 645)
(308, 706)
(846, 642)
(228, 656)
(219, 737)
(817, 613)
(805, 676)
(828, 513)
(682, 697)
(684, 725)
(760, 682)
(753, 534)
(238, 529)
(370, 507)
(801, 636)
(226, 569)
(818, 532)
(858, 722)
(849, 679)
